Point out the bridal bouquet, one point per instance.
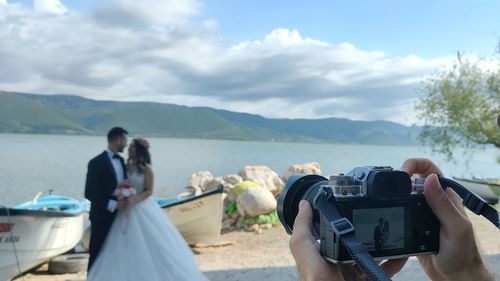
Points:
(125, 190)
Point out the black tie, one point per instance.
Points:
(116, 156)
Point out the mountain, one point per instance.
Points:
(64, 114)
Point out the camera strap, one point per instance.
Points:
(344, 230)
(472, 201)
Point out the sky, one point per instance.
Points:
(362, 60)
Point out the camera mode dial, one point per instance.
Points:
(344, 186)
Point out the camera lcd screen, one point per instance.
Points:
(380, 228)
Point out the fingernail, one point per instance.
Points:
(302, 203)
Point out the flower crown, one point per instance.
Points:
(144, 143)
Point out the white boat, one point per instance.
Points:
(486, 189)
(198, 218)
(36, 231)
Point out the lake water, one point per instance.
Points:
(32, 163)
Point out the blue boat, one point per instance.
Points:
(33, 232)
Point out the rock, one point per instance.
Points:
(240, 223)
(256, 201)
(263, 176)
(212, 184)
(253, 228)
(198, 181)
(267, 226)
(228, 224)
(191, 190)
(232, 179)
(306, 168)
(229, 181)
(234, 215)
(239, 188)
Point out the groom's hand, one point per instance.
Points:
(122, 204)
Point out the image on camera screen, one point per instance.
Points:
(380, 228)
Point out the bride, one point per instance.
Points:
(142, 243)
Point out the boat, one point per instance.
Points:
(32, 233)
(84, 244)
(487, 189)
(197, 217)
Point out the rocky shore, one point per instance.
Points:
(250, 202)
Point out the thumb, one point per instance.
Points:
(440, 203)
(302, 225)
(302, 244)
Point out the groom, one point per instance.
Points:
(105, 171)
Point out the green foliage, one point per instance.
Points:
(271, 218)
(231, 207)
(459, 107)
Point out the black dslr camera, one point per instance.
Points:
(388, 211)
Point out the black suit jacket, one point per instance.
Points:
(99, 187)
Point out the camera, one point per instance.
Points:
(387, 209)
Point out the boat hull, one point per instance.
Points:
(198, 219)
(35, 237)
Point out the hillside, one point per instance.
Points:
(61, 114)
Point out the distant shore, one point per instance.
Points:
(266, 257)
(68, 114)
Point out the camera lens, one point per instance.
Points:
(299, 187)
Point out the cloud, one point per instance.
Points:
(151, 51)
(133, 13)
(49, 6)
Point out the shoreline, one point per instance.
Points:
(250, 256)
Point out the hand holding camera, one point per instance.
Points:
(405, 224)
(458, 257)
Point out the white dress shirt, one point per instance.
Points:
(118, 168)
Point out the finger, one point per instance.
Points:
(392, 267)
(456, 200)
(420, 166)
(440, 203)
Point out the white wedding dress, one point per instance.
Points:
(143, 244)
